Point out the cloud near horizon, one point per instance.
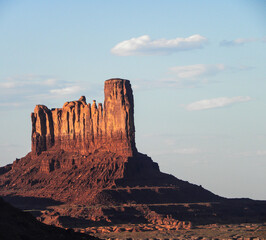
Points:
(29, 89)
(237, 42)
(144, 45)
(29, 80)
(215, 103)
(66, 90)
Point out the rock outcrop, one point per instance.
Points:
(86, 128)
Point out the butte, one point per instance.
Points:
(84, 162)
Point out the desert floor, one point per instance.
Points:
(214, 231)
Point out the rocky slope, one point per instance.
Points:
(17, 225)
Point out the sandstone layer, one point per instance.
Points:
(86, 128)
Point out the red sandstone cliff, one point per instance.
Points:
(85, 128)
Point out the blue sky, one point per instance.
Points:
(197, 69)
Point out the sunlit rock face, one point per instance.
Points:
(86, 128)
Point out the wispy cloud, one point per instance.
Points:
(30, 89)
(66, 90)
(189, 76)
(197, 70)
(237, 42)
(215, 103)
(261, 152)
(8, 84)
(251, 154)
(28, 80)
(144, 45)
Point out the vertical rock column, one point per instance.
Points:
(119, 116)
(42, 129)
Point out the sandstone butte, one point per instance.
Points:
(85, 128)
(85, 155)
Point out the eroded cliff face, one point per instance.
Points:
(86, 128)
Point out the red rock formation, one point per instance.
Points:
(82, 152)
(85, 155)
(85, 128)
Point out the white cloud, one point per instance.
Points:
(215, 103)
(237, 42)
(66, 90)
(197, 70)
(143, 45)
